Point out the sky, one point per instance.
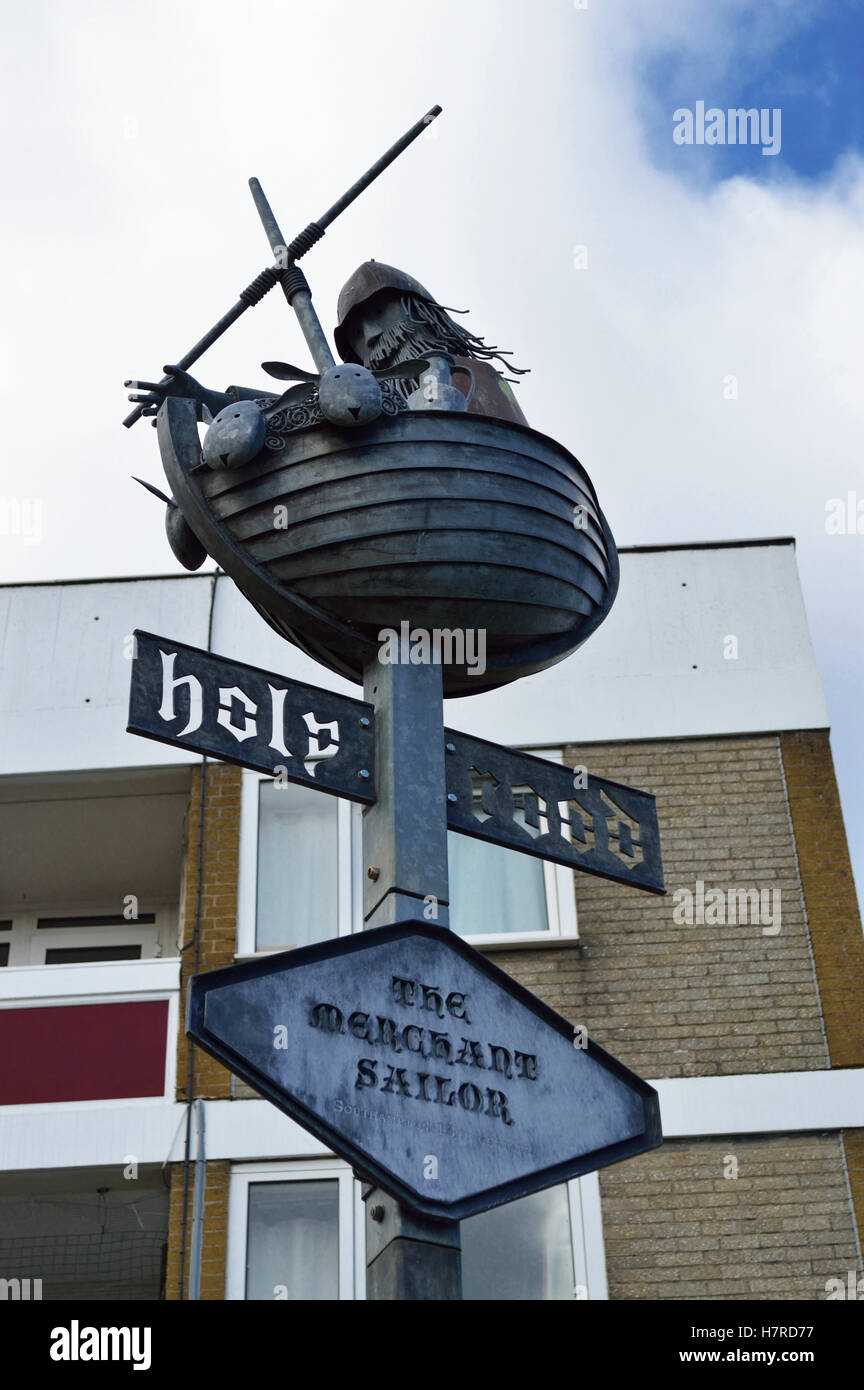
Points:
(691, 312)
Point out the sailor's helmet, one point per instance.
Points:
(369, 279)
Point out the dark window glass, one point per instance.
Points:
(111, 920)
(78, 955)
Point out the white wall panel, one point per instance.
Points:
(655, 669)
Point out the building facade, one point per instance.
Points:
(134, 1167)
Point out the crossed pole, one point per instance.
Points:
(286, 272)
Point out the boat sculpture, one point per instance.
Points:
(377, 497)
(422, 517)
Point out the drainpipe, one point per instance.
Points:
(198, 1206)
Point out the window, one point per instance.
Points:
(296, 899)
(299, 866)
(36, 939)
(301, 877)
(498, 895)
(292, 1246)
(530, 1250)
(296, 1231)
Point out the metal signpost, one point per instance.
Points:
(301, 733)
(341, 508)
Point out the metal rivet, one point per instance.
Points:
(450, 747)
(377, 1213)
(365, 722)
(451, 796)
(364, 773)
(372, 872)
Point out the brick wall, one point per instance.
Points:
(676, 1228)
(218, 928)
(829, 890)
(701, 1000)
(218, 931)
(215, 1236)
(853, 1144)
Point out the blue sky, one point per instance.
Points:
(809, 62)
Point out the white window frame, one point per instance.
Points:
(586, 1239)
(28, 942)
(352, 1252)
(586, 1226)
(589, 1251)
(560, 914)
(558, 881)
(349, 887)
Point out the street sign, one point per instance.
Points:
(426, 1067)
(431, 1071)
(241, 714)
(542, 808)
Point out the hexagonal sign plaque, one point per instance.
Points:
(430, 1070)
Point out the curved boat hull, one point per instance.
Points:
(438, 520)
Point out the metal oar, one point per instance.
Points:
(286, 272)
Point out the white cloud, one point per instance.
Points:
(122, 251)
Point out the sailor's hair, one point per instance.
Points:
(434, 329)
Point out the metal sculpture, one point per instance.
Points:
(402, 484)
(374, 495)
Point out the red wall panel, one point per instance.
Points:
(83, 1052)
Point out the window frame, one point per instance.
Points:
(585, 1218)
(560, 884)
(349, 885)
(28, 942)
(558, 881)
(351, 1218)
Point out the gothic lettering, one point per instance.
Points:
(471, 1053)
(328, 1018)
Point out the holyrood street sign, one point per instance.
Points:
(241, 714)
(300, 733)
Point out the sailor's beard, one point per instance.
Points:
(427, 328)
(403, 342)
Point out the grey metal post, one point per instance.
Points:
(405, 865)
(198, 1205)
(299, 299)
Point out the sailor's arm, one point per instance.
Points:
(182, 384)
